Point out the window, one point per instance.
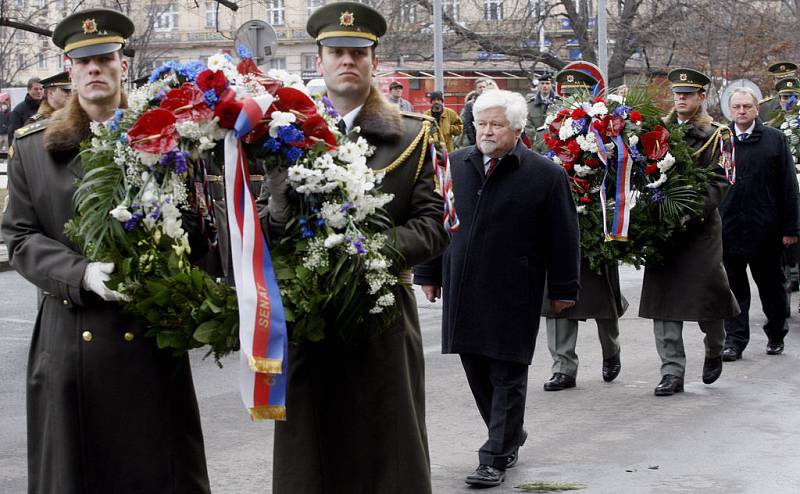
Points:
(20, 61)
(212, 10)
(164, 17)
(278, 63)
(275, 12)
(42, 61)
(312, 5)
(493, 10)
(451, 8)
(20, 4)
(408, 12)
(308, 62)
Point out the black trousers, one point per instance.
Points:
(768, 274)
(499, 389)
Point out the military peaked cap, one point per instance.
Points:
(782, 69)
(92, 32)
(688, 80)
(59, 80)
(787, 86)
(346, 25)
(575, 81)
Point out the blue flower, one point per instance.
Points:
(621, 111)
(211, 98)
(329, 109)
(359, 245)
(134, 221)
(191, 69)
(290, 134)
(292, 153)
(272, 145)
(243, 52)
(346, 206)
(155, 213)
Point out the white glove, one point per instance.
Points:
(95, 278)
(278, 187)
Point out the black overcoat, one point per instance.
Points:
(762, 205)
(691, 284)
(518, 227)
(107, 411)
(600, 296)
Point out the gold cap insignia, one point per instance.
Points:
(570, 78)
(346, 19)
(684, 77)
(783, 67)
(789, 84)
(89, 26)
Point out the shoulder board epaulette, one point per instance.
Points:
(764, 100)
(418, 116)
(31, 129)
(37, 117)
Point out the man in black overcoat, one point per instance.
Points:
(519, 226)
(759, 217)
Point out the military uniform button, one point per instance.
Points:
(65, 302)
(128, 336)
(87, 336)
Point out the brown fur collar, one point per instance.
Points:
(69, 126)
(379, 120)
(701, 121)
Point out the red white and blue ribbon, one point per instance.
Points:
(442, 170)
(262, 325)
(728, 159)
(601, 152)
(622, 204)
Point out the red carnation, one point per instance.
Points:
(580, 185)
(228, 109)
(656, 143)
(568, 166)
(154, 132)
(316, 127)
(578, 113)
(586, 200)
(600, 99)
(635, 117)
(651, 169)
(563, 112)
(600, 124)
(574, 147)
(187, 103)
(215, 80)
(591, 163)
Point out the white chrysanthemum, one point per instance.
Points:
(567, 129)
(280, 119)
(333, 240)
(121, 213)
(615, 98)
(587, 143)
(581, 209)
(658, 183)
(788, 132)
(633, 140)
(666, 162)
(598, 109)
(218, 61)
(582, 171)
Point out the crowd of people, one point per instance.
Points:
(357, 409)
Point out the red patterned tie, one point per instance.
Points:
(492, 164)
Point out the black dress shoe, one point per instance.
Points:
(669, 385)
(731, 354)
(559, 381)
(514, 457)
(712, 368)
(486, 475)
(611, 368)
(775, 348)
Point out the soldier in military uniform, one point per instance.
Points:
(600, 298)
(769, 108)
(356, 411)
(539, 104)
(691, 284)
(57, 90)
(107, 411)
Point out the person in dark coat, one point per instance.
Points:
(759, 217)
(107, 411)
(691, 284)
(356, 410)
(602, 300)
(5, 120)
(519, 226)
(481, 85)
(26, 108)
(539, 104)
(770, 108)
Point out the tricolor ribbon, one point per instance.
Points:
(442, 171)
(601, 152)
(262, 325)
(622, 204)
(728, 159)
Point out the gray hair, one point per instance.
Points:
(513, 103)
(744, 90)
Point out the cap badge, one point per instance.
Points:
(789, 84)
(89, 26)
(684, 77)
(783, 67)
(346, 19)
(570, 78)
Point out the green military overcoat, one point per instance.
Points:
(692, 284)
(106, 410)
(356, 412)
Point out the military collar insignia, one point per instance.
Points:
(89, 26)
(347, 19)
(684, 77)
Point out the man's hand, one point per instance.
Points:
(278, 187)
(790, 239)
(559, 305)
(432, 292)
(95, 278)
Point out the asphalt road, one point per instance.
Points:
(740, 435)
